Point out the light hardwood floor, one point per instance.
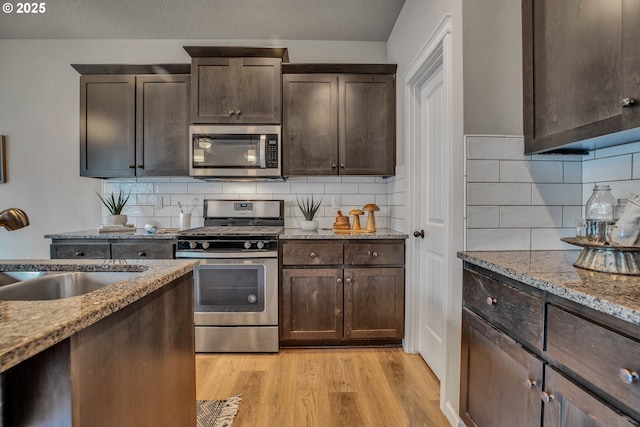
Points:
(324, 387)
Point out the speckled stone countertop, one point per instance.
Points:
(28, 327)
(296, 233)
(617, 295)
(140, 233)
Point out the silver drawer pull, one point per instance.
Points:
(79, 253)
(627, 376)
(313, 254)
(491, 301)
(142, 254)
(349, 279)
(547, 397)
(339, 280)
(529, 383)
(374, 253)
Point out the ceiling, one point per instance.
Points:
(357, 20)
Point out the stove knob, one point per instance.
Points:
(205, 245)
(260, 245)
(193, 245)
(247, 245)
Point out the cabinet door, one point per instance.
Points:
(367, 124)
(499, 380)
(310, 124)
(259, 90)
(162, 125)
(573, 70)
(213, 90)
(107, 126)
(567, 405)
(312, 301)
(374, 303)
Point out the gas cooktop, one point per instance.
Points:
(232, 230)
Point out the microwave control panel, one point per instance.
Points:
(272, 153)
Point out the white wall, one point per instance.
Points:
(39, 113)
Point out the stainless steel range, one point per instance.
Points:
(236, 284)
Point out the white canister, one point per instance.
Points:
(185, 220)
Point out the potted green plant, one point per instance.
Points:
(114, 206)
(309, 208)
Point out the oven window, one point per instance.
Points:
(230, 288)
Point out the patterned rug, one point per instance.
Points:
(217, 413)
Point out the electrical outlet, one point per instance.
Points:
(159, 204)
(335, 202)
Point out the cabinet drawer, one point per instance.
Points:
(83, 250)
(312, 253)
(596, 354)
(142, 250)
(374, 253)
(515, 311)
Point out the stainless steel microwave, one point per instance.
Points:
(220, 151)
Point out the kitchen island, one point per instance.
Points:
(120, 355)
(559, 344)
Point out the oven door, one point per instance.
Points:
(236, 292)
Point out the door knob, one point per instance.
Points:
(628, 102)
(419, 234)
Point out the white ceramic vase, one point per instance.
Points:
(116, 219)
(308, 225)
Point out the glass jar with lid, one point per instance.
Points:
(599, 213)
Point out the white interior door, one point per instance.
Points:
(431, 217)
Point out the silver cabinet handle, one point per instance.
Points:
(79, 253)
(231, 113)
(142, 254)
(529, 383)
(342, 166)
(374, 253)
(333, 166)
(349, 279)
(238, 112)
(547, 397)
(491, 301)
(628, 102)
(339, 280)
(627, 376)
(313, 254)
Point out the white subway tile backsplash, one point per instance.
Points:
(483, 171)
(375, 188)
(570, 214)
(572, 172)
(481, 194)
(495, 148)
(528, 171)
(204, 187)
(273, 187)
(615, 168)
(549, 238)
(170, 188)
(514, 239)
(307, 188)
(636, 166)
(556, 194)
(617, 150)
(530, 216)
(341, 188)
(483, 217)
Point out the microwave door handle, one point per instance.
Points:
(263, 151)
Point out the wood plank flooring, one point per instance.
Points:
(324, 387)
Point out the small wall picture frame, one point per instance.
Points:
(3, 160)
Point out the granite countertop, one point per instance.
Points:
(28, 327)
(325, 233)
(140, 233)
(617, 295)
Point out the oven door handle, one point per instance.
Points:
(226, 255)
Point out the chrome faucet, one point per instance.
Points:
(13, 219)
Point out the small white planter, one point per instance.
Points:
(308, 225)
(115, 219)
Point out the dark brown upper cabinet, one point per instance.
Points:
(581, 66)
(133, 125)
(339, 119)
(233, 85)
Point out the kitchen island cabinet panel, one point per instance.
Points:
(155, 250)
(113, 248)
(500, 381)
(80, 250)
(313, 301)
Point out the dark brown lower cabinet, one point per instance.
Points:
(112, 249)
(567, 405)
(500, 381)
(341, 293)
(580, 373)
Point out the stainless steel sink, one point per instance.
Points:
(60, 285)
(9, 277)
